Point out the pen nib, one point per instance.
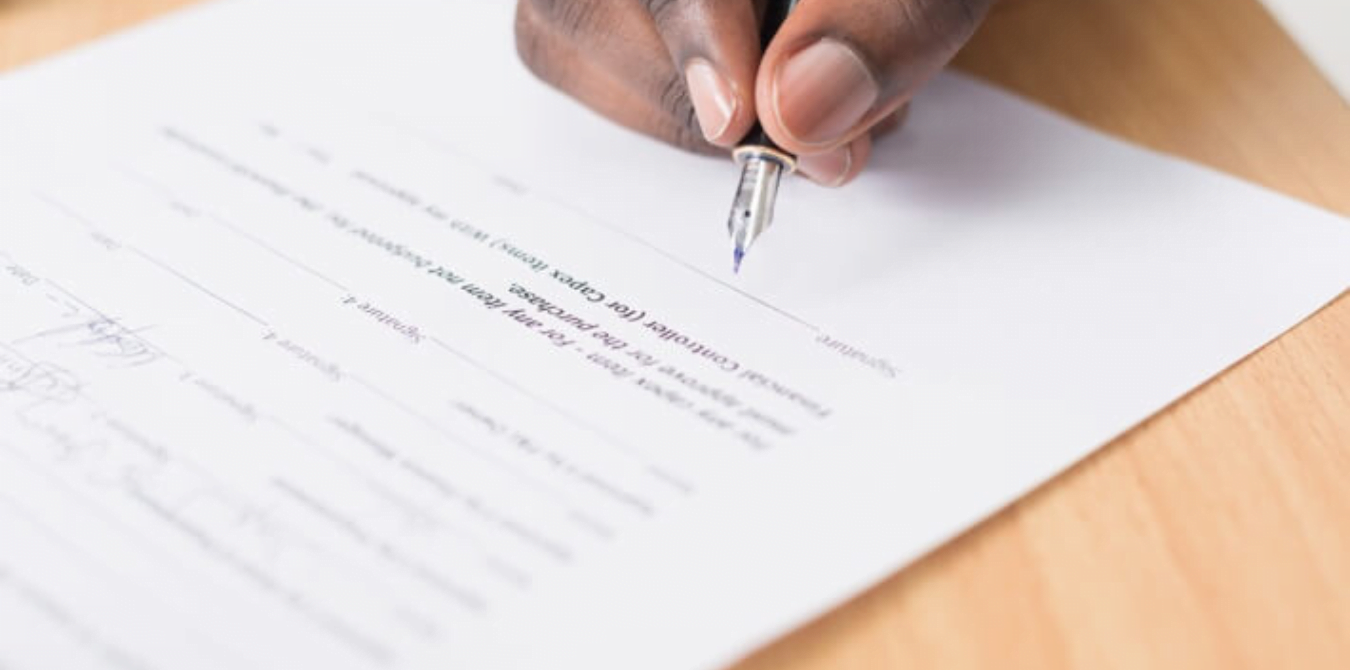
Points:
(752, 210)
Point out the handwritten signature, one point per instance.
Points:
(105, 338)
(39, 380)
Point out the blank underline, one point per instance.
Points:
(441, 146)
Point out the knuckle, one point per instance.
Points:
(660, 10)
(949, 23)
(689, 139)
(571, 17)
(673, 99)
(678, 123)
(534, 46)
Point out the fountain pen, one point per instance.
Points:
(762, 162)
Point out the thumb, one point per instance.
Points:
(837, 67)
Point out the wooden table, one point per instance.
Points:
(1215, 535)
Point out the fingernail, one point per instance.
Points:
(822, 92)
(829, 168)
(714, 101)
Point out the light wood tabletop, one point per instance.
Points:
(1216, 534)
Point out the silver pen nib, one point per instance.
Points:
(752, 210)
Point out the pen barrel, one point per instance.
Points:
(758, 138)
(775, 14)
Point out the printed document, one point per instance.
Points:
(330, 338)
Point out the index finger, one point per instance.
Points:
(715, 44)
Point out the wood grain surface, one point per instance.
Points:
(1216, 534)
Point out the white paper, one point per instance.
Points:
(330, 338)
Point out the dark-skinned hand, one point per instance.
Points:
(691, 72)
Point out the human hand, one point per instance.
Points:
(691, 72)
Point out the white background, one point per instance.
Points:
(1322, 29)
